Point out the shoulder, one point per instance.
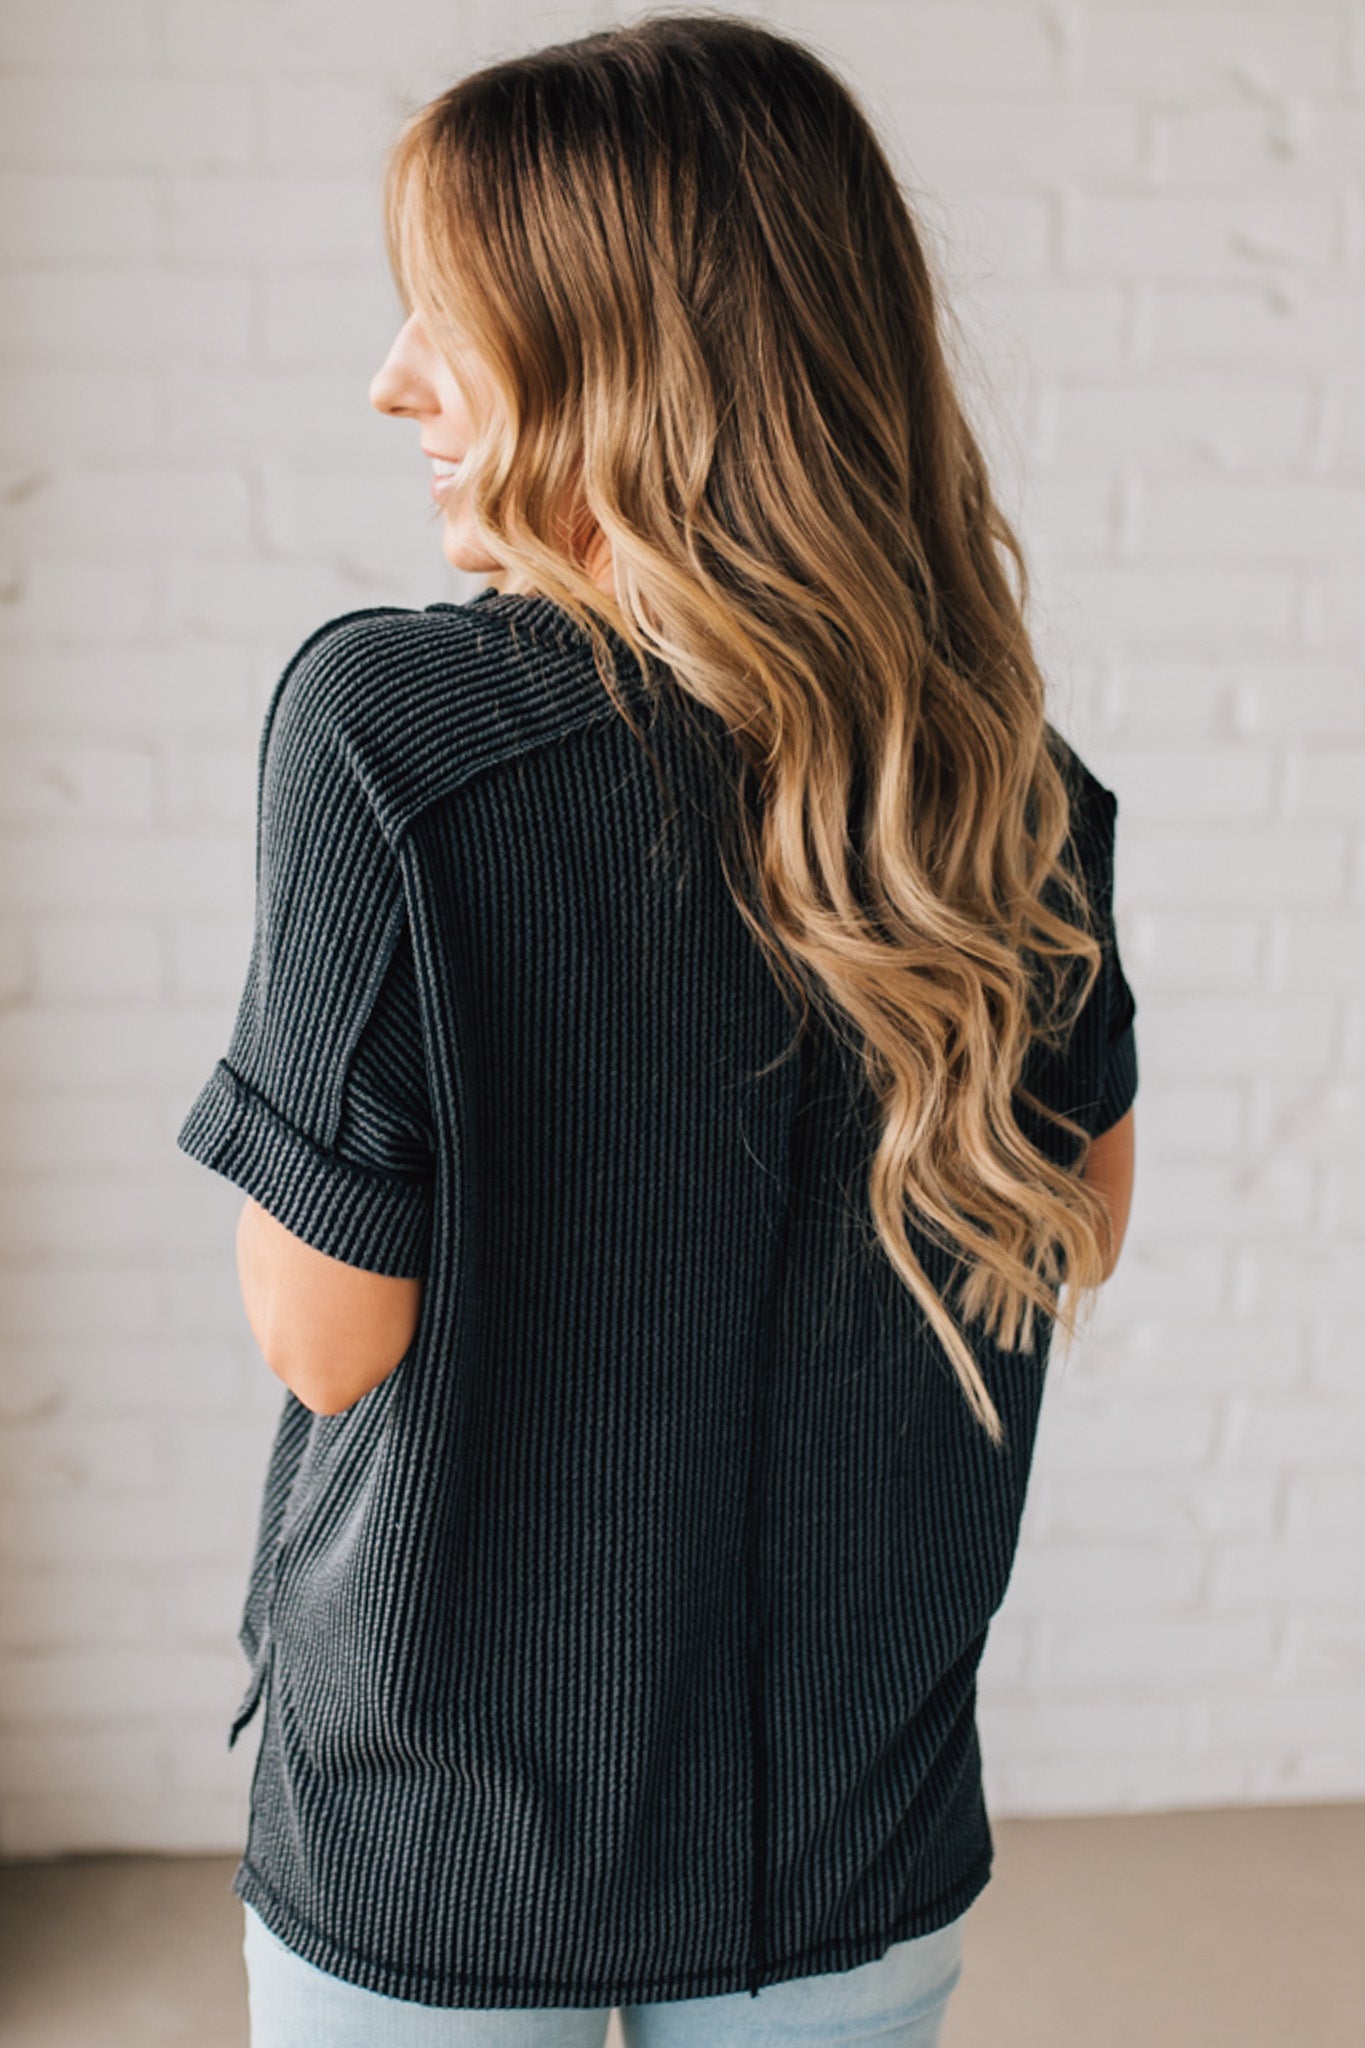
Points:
(413, 702)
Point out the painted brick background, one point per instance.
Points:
(1151, 223)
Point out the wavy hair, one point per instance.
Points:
(685, 260)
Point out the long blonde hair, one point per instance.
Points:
(686, 261)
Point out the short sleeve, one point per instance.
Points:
(1094, 1078)
(319, 1108)
(1120, 1084)
(1114, 1003)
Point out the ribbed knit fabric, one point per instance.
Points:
(622, 1644)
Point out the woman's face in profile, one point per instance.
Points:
(415, 382)
(449, 405)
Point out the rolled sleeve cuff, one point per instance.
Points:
(367, 1219)
(1120, 1081)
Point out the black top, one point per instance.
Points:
(621, 1645)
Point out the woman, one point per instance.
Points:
(684, 1075)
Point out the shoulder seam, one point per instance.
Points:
(557, 639)
(550, 644)
(484, 769)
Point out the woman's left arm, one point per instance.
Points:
(330, 1331)
(320, 1112)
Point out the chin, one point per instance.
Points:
(466, 554)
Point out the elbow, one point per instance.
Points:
(324, 1404)
(312, 1392)
(1116, 1212)
(1116, 1247)
(328, 1387)
(308, 1388)
(318, 1386)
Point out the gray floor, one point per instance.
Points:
(1236, 1928)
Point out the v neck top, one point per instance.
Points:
(620, 1645)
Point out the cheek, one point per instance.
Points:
(458, 412)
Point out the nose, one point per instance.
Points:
(397, 386)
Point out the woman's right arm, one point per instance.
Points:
(1109, 1169)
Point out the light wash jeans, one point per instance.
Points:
(896, 2001)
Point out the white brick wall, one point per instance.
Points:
(1151, 219)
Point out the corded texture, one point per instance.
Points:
(621, 1645)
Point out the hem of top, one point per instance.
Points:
(359, 1216)
(475, 1989)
